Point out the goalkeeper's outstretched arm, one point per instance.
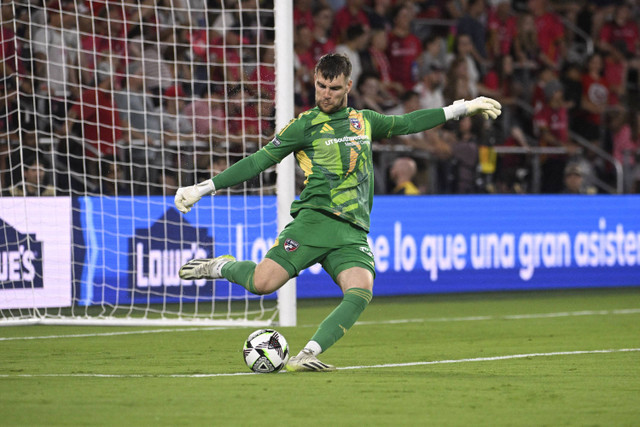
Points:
(489, 108)
(421, 120)
(237, 173)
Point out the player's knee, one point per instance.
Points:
(269, 277)
(265, 285)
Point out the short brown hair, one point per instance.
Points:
(332, 65)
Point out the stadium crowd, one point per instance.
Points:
(142, 96)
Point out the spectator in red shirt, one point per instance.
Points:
(538, 98)
(109, 40)
(351, 14)
(259, 121)
(404, 48)
(550, 32)
(375, 61)
(615, 73)
(621, 33)
(97, 114)
(552, 128)
(625, 146)
(625, 129)
(302, 13)
(322, 23)
(98, 123)
(207, 116)
(502, 28)
(226, 53)
(595, 98)
(304, 66)
(501, 84)
(263, 76)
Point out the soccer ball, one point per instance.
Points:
(266, 351)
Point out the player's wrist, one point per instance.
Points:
(206, 187)
(456, 110)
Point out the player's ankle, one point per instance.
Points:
(313, 348)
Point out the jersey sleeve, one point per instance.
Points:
(417, 121)
(243, 170)
(289, 139)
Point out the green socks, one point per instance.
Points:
(240, 272)
(332, 328)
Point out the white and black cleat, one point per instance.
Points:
(306, 361)
(204, 268)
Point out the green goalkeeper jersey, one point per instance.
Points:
(334, 151)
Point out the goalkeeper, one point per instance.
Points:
(332, 144)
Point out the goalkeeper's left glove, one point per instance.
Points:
(186, 197)
(489, 108)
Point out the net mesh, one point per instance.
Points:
(110, 107)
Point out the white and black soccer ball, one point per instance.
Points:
(265, 351)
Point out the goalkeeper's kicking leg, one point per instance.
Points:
(268, 276)
(259, 279)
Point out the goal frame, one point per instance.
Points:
(285, 194)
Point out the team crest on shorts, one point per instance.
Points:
(291, 245)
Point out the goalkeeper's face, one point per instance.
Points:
(331, 95)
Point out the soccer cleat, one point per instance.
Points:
(204, 268)
(306, 361)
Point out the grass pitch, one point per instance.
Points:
(552, 358)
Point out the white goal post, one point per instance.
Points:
(105, 109)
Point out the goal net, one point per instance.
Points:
(107, 108)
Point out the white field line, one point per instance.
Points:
(110, 334)
(374, 322)
(386, 365)
(508, 317)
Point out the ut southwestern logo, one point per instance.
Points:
(157, 253)
(20, 259)
(348, 140)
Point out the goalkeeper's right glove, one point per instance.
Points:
(186, 197)
(489, 108)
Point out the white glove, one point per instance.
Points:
(489, 108)
(186, 197)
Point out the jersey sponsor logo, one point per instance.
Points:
(355, 123)
(276, 142)
(291, 245)
(348, 140)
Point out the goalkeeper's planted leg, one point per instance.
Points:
(307, 361)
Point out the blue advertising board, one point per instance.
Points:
(421, 244)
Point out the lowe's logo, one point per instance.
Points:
(157, 253)
(20, 259)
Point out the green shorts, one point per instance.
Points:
(314, 237)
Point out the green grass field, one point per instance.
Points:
(552, 358)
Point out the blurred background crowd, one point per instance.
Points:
(139, 96)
